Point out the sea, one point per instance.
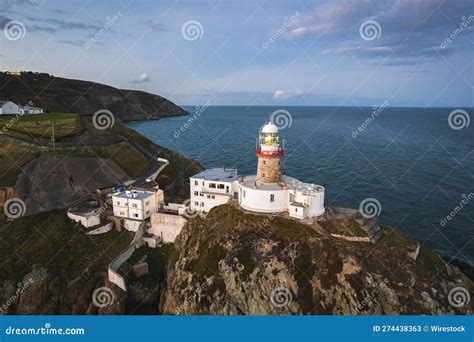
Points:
(414, 165)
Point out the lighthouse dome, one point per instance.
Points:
(269, 127)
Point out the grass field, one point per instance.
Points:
(41, 126)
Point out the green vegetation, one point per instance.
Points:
(157, 259)
(53, 241)
(40, 127)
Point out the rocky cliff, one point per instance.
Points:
(63, 95)
(233, 263)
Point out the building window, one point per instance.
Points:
(272, 198)
(135, 215)
(296, 210)
(201, 194)
(196, 193)
(220, 186)
(147, 203)
(263, 175)
(134, 205)
(213, 197)
(244, 193)
(148, 211)
(264, 162)
(202, 183)
(196, 203)
(208, 196)
(202, 204)
(195, 182)
(212, 185)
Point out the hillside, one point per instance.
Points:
(235, 263)
(63, 95)
(46, 252)
(82, 159)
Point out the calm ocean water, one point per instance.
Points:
(409, 159)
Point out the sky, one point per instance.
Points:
(251, 52)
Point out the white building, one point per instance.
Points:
(9, 108)
(137, 204)
(269, 191)
(33, 110)
(212, 187)
(88, 218)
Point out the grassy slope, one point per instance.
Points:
(53, 241)
(115, 143)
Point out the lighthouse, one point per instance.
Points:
(269, 153)
(268, 191)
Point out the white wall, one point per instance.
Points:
(87, 221)
(167, 226)
(204, 198)
(10, 108)
(259, 200)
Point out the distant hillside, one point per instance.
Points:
(62, 95)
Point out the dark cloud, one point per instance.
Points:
(59, 25)
(77, 42)
(154, 25)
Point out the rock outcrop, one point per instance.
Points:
(232, 263)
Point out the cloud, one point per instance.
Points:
(141, 79)
(55, 25)
(77, 42)
(154, 25)
(409, 29)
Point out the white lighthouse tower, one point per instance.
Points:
(269, 153)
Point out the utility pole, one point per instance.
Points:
(52, 129)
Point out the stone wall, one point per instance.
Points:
(268, 170)
(166, 226)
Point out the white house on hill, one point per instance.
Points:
(9, 108)
(212, 187)
(137, 204)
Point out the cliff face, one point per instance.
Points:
(233, 263)
(62, 95)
